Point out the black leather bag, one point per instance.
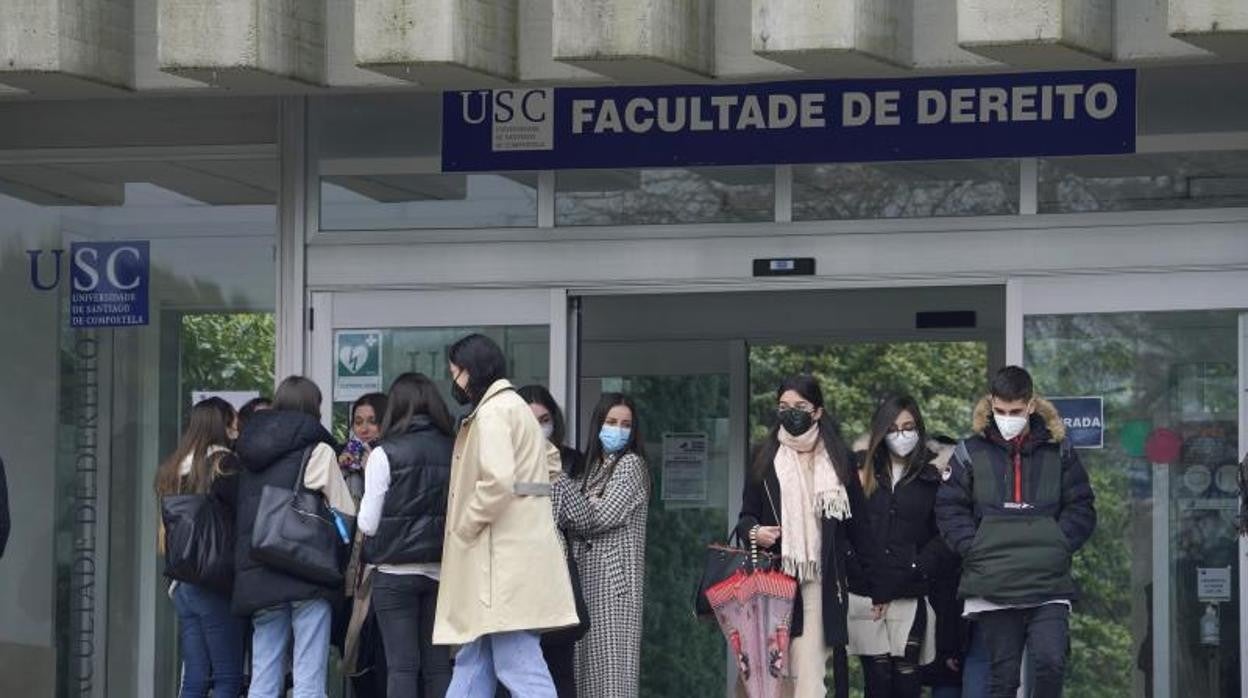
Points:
(199, 541)
(567, 636)
(295, 533)
(721, 562)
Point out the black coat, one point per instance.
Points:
(271, 450)
(413, 517)
(903, 519)
(838, 536)
(4, 510)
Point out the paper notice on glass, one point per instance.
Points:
(684, 467)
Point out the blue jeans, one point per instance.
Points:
(310, 621)
(513, 659)
(976, 667)
(212, 643)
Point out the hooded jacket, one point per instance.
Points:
(910, 551)
(1016, 511)
(271, 452)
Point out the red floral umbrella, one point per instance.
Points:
(754, 610)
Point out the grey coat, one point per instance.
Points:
(604, 515)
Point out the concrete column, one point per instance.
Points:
(243, 43)
(438, 42)
(637, 40)
(1220, 26)
(53, 46)
(1038, 33)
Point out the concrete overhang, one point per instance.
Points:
(57, 47)
(637, 40)
(1218, 26)
(1038, 33)
(439, 43)
(244, 44)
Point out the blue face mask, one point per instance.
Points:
(614, 439)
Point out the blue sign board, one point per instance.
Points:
(110, 284)
(809, 121)
(1084, 418)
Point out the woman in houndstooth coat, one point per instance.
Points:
(602, 508)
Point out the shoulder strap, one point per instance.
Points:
(303, 466)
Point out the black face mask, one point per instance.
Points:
(461, 396)
(796, 422)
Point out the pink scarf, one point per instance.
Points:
(810, 491)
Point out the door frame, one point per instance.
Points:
(1138, 292)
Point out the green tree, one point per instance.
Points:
(227, 351)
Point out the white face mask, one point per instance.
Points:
(1010, 426)
(548, 429)
(902, 443)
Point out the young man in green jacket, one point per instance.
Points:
(1016, 507)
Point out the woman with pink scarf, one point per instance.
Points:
(804, 502)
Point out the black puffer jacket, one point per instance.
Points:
(271, 450)
(911, 554)
(413, 517)
(1016, 511)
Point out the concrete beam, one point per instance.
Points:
(1220, 26)
(442, 43)
(244, 44)
(860, 37)
(637, 40)
(51, 47)
(1038, 34)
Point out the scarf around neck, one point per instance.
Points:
(810, 492)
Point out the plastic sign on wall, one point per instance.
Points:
(1084, 418)
(809, 121)
(110, 284)
(357, 364)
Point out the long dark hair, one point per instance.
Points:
(208, 426)
(413, 395)
(829, 430)
(593, 449)
(482, 358)
(877, 451)
(298, 394)
(538, 395)
(377, 401)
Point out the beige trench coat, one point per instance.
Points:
(503, 567)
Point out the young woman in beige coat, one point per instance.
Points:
(504, 576)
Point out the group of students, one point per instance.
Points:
(934, 562)
(490, 537)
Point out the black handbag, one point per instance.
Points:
(295, 533)
(199, 541)
(570, 635)
(724, 560)
(721, 562)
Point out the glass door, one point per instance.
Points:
(362, 340)
(1160, 611)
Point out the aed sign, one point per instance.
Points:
(977, 116)
(109, 284)
(1084, 418)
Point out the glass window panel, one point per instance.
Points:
(100, 408)
(380, 167)
(665, 196)
(905, 189)
(1166, 379)
(1144, 182)
(423, 350)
